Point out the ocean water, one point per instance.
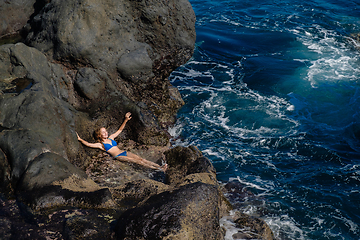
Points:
(272, 98)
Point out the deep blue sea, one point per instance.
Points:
(272, 97)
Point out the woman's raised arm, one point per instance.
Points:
(121, 128)
(92, 145)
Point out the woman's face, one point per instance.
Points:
(103, 133)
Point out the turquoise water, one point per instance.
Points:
(273, 100)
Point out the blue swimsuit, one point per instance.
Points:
(108, 146)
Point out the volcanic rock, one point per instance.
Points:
(186, 161)
(137, 43)
(14, 15)
(190, 212)
(252, 228)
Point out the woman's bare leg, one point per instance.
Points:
(150, 163)
(147, 162)
(133, 158)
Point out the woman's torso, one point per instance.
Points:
(111, 147)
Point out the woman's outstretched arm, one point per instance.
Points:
(92, 145)
(121, 128)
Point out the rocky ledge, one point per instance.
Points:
(83, 64)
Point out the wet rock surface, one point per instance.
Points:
(253, 228)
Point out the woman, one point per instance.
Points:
(107, 143)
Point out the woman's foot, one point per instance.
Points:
(164, 167)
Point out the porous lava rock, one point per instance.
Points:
(115, 35)
(251, 227)
(14, 14)
(137, 43)
(51, 181)
(33, 120)
(189, 212)
(187, 161)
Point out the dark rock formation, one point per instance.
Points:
(90, 83)
(46, 169)
(256, 228)
(33, 119)
(190, 212)
(51, 181)
(132, 193)
(117, 35)
(17, 222)
(89, 63)
(188, 208)
(5, 186)
(184, 161)
(89, 226)
(137, 43)
(14, 14)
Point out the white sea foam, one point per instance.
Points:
(252, 185)
(353, 41)
(229, 226)
(176, 129)
(214, 111)
(285, 226)
(335, 60)
(210, 152)
(290, 108)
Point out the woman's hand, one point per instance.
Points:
(79, 139)
(128, 116)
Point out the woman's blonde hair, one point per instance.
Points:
(97, 134)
